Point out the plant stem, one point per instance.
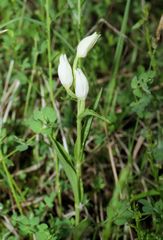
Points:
(116, 62)
(79, 13)
(10, 182)
(48, 23)
(78, 160)
(51, 87)
(58, 186)
(77, 152)
(79, 19)
(80, 109)
(31, 79)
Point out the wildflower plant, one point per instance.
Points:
(79, 92)
(44, 122)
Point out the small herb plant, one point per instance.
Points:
(45, 121)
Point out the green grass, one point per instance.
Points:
(72, 169)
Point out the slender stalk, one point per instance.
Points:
(77, 211)
(79, 19)
(48, 23)
(10, 182)
(79, 13)
(80, 109)
(31, 79)
(79, 126)
(58, 186)
(116, 62)
(51, 87)
(22, 15)
(78, 152)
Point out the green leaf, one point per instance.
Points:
(147, 206)
(49, 114)
(47, 131)
(89, 112)
(127, 215)
(49, 200)
(87, 126)
(65, 160)
(138, 24)
(42, 120)
(140, 105)
(140, 84)
(34, 221)
(134, 82)
(158, 150)
(122, 212)
(37, 115)
(22, 147)
(43, 232)
(36, 126)
(138, 93)
(22, 77)
(80, 231)
(158, 207)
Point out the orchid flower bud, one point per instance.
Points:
(86, 44)
(81, 84)
(65, 71)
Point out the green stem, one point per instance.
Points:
(10, 182)
(71, 94)
(110, 91)
(58, 186)
(144, 195)
(22, 15)
(79, 13)
(80, 109)
(79, 19)
(48, 23)
(31, 79)
(77, 152)
(51, 87)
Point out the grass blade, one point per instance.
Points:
(116, 63)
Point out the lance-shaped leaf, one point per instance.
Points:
(90, 112)
(87, 125)
(65, 160)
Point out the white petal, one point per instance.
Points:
(81, 84)
(65, 71)
(86, 44)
